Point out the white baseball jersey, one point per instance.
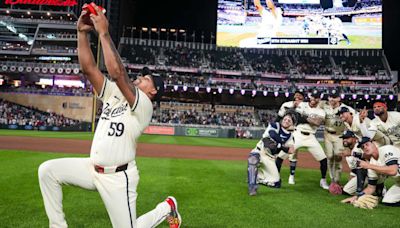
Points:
(305, 109)
(391, 127)
(332, 121)
(285, 137)
(269, 20)
(388, 155)
(119, 126)
(269, 23)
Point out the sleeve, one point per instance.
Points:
(137, 98)
(372, 175)
(391, 157)
(106, 90)
(142, 109)
(365, 131)
(272, 131)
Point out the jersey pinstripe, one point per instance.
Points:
(119, 126)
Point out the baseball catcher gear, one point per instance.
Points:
(270, 144)
(293, 115)
(335, 189)
(366, 202)
(252, 169)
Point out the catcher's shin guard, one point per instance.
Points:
(361, 175)
(252, 170)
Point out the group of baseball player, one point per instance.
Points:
(368, 140)
(111, 168)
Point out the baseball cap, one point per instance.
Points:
(157, 80)
(316, 94)
(342, 110)
(334, 93)
(363, 141)
(347, 134)
(299, 92)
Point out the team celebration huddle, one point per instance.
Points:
(369, 141)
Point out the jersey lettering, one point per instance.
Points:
(116, 129)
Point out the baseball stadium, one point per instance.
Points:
(225, 113)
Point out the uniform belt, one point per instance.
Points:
(331, 132)
(106, 170)
(305, 133)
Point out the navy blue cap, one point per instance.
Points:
(363, 141)
(348, 134)
(334, 93)
(342, 110)
(316, 94)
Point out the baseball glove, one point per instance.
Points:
(270, 144)
(366, 202)
(335, 189)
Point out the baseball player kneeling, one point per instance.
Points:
(261, 161)
(384, 161)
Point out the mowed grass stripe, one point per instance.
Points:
(156, 139)
(210, 194)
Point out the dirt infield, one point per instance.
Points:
(143, 150)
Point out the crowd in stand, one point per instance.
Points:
(195, 114)
(251, 60)
(51, 90)
(14, 114)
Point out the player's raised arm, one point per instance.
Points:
(85, 55)
(111, 57)
(271, 6)
(258, 6)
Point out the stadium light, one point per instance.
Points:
(175, 87)
(366, 96)
(219, 89)
(286, 94)
(254, 92)
(28, 12)
(242, 91)
(7, 11)
(276, 93)
(391, 97)
(48, 13)
(378, 97)
(231, 91)
(196, 88)
(208, 89)
(354, 96)
(342, 96)
(265, 92)
(185, 88)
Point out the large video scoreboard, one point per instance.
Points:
(300, 24)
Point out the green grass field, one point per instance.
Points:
(210, 194)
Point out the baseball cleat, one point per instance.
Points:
(291, 179)
(323, 184)
(253, 191)
(174, 218)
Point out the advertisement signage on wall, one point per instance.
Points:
(159, 130)
(206, 132)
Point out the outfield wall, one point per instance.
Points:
(208, 131)
(74, 107)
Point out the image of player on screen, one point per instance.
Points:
(271, 20)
